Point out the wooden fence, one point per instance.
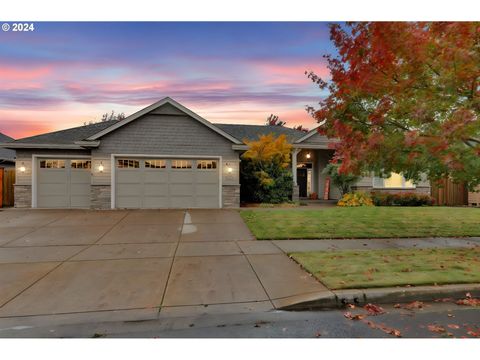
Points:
(7, 179)
(448, 193)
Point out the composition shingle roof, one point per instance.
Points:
(6, 154)
(67, 136)
(251, 132)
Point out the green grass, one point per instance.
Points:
(384, 268)
(363, 222)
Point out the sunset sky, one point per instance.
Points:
(64, 74)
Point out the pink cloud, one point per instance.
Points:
(19, 73)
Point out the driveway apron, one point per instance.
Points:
(179, 262)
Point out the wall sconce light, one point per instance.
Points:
(308, 155)
(229, 168)
(100, 167)
(22, 168)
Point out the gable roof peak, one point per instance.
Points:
(146, 110)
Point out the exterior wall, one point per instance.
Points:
(417, 190)
(100, 196)
(23, 196)
(474, 197)
(366, 184)
(231, 196)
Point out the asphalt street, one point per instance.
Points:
(434, 320)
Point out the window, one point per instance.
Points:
(52, 164)
(155, 164)
(81, 164)
(206, 164)
(181, 164)
(128, 164)
(395, 181)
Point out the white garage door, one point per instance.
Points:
(63, 183)
(166, 183)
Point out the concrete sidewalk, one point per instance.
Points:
(300, 245)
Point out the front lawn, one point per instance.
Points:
(363, 222)
(384, 268)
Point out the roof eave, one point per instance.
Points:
(39, 146)
(88, 144)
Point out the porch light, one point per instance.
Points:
(308, 155)
(100, 167)
(22, 168)
(229, 168)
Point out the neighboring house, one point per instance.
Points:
(7, 157)
(163, 156)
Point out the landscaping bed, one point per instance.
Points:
(363, 222)
(387, 268)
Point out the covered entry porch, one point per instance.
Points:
(309, 182)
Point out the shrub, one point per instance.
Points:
(355, 199)
(401, 199)
(265, 174)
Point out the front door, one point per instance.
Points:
(302, 182)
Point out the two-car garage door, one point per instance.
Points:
(166, 183)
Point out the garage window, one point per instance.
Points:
(81, 164)
(155, 164)
(128, 164)
(181, 164)
(206, 164)
(52, 164)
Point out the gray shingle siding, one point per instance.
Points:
(165, 135)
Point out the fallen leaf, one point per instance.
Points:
(414, 305)
(473, 333)
(374, 309)
(385, 329)
(453, 326)
(436, 328)
(318, 334)
(351, 306)
(469, 301)
(349, 316)
(397, 306)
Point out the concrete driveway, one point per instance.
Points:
(82, 265)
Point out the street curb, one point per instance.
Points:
(325, 300)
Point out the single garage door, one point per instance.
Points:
(166, 183)
(63, 183)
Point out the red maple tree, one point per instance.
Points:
(404, 97)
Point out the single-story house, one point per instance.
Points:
(163, 156)
(7, 157)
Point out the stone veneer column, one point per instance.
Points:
(100, 197)
(23, 196)
(231, 196)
